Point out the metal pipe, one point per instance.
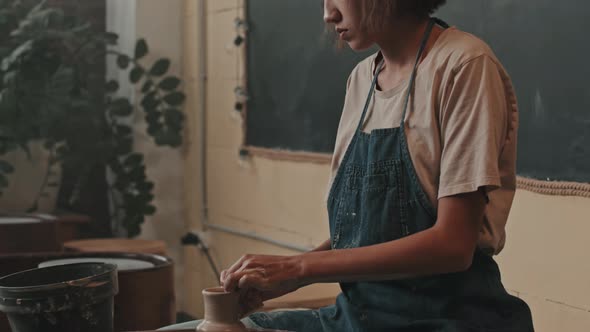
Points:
(252, 235)
(203, 111)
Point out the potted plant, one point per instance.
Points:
(50, 95)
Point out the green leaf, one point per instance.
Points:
(134, 230)
(153, 118)
(123, 61)
(62, 83)
(141, 49)
(16, 54)
(149, 210)
(137, 173)
(6, 167)
(136, 74)
(9, 77)
(150, 101)
(175, 98)
(147, 86)
(132, 223)
(146, 197)
(121, 107)
(124, 147)
(154, 130)
(116, 167)
(160, 67)
(121, 184)
(111, 38)
(123, 130)
(133, 159)
(173, 117)
(169, 83)
(112, 86)
(160, 139)
(145, 186)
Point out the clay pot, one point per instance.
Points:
(221, 312)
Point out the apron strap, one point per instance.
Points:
(370, 96)
(425, 39)
(415, 70)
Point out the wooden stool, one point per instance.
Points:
(139, 246)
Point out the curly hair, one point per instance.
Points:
(375, 13)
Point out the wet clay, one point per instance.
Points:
(221, 312)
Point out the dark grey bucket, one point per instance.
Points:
(66, 298)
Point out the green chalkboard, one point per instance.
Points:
(297, 77)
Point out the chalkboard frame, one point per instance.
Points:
(247, 150)
(544, 187)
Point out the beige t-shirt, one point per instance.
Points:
(461, 125)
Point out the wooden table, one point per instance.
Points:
(156, 247)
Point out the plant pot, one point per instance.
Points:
(27, 179)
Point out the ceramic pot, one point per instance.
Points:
(221, 312)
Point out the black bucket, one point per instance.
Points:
(66, 298)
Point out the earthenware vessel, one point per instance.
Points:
(222, 312)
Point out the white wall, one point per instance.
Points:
(121, 20)
(161, 24)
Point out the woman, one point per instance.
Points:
(416, 210)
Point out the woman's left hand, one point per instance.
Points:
(273, 276)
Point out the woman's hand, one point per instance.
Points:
(259, 278)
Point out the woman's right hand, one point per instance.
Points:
(251, 299)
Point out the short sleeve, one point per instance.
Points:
(473, 127)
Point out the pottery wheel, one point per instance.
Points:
(123, 264)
